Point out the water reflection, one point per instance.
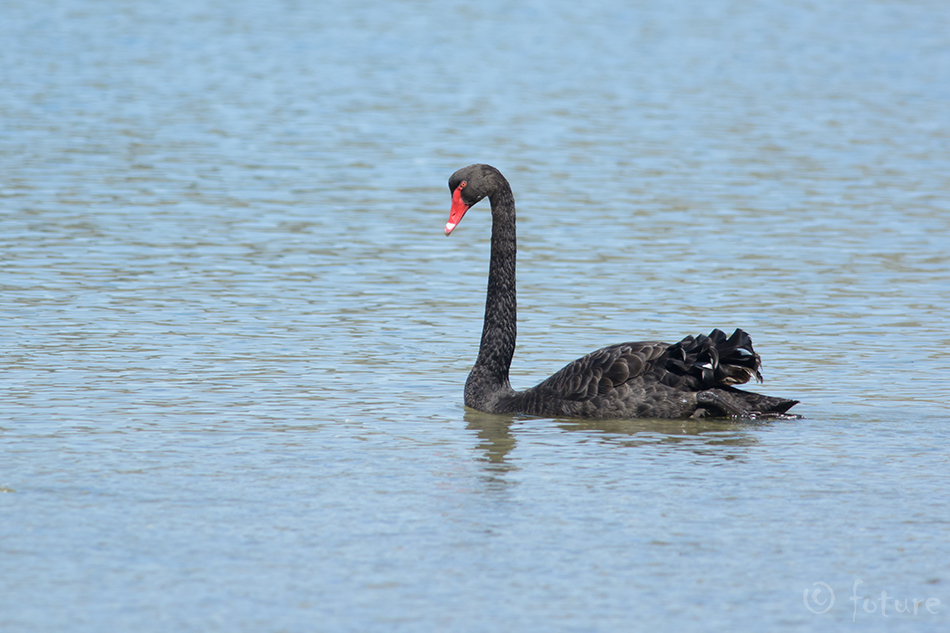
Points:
(723, 438)
(495, 440)
(702, 437)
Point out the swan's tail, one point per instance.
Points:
(735, 402)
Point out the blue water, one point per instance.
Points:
(235, 338)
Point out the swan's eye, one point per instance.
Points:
(463, 184)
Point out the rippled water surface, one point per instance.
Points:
(235, 338)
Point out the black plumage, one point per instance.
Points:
(691, 378)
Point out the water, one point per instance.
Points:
(235, 337)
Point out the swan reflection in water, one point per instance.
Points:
(722, 438)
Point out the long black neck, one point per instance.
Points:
(488, 380)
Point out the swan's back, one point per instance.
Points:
(692, 378)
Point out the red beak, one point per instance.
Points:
(458, 210)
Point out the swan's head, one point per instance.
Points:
(468, 186)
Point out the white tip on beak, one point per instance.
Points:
(449, 227)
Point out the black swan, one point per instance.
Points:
(692, 378)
